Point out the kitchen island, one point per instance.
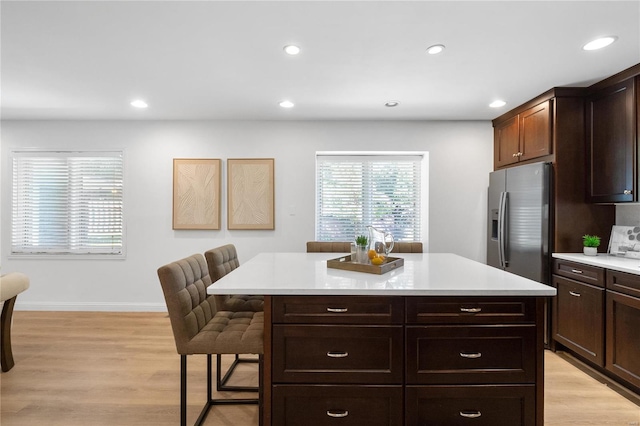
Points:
(440, 340)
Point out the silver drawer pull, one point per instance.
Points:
(573, 293)
(471, 414)
(576, 271)
(337, 310)
(471, 310)
(337, 414)
(337, 354)
(472, 355)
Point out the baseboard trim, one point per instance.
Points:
(90, 306)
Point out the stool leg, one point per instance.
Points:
(183, 390)
(6, 354)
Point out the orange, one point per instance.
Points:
(372, 254)
(377, 260)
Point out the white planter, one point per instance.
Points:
(590, 251)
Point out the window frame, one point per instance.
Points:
(424, 185)
(59, 254)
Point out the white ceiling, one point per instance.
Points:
(224, 60)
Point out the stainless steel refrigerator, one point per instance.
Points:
(518, 220)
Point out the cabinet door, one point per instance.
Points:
(535, 132)
(623, 336)
(506, 143)
(611, 139)
(579, 319)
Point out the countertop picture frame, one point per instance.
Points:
(196, 193)
(250, 193)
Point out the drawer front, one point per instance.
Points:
(470, 405)
(338, 310)
(337, 354)
(470, 310)
(471, 355)
(579, 318)
(337, 405)
(623, 336)
(623, 282)
(580, 272)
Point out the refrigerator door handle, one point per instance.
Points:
(502, 211)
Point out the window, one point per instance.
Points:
(380, 189)
(67, 203)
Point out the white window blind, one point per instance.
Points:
(67, 203)
(354, 191)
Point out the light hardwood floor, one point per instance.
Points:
(77, 368)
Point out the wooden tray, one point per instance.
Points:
(345, 263)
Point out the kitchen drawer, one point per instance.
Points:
(489, 405)
(580, 272)
(470, 310)
(579, 314)
(471, 354)
(338, 354)
(623, 282)
(338, 310)
(318, 405)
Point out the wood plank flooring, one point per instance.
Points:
(97, 368)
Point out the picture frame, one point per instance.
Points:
(250, 193)
(196, 193)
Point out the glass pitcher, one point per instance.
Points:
(380, 241)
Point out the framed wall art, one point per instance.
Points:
(196, 193)
(250, 193)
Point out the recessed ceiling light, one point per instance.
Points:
(497, 104)
(139, 103)
(292, 50)
(392, 104)
(286, 104)
(599, 43)
(435, 49)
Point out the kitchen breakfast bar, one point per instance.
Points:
(440, 340)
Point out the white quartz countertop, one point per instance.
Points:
(603, 260)
(428, 274)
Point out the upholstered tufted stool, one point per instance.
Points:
(222, 260)
(199, 328)
(10, 286)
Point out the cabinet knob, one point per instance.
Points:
(470, 414)
(337, 310)
(627, 192)
(471, 310)
(519, 154)
(515, 155)
(337, 413)
(472, 355)
(576, 271)
(575, 294)
(337, 354)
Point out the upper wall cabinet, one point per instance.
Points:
(611, 143)
(523, 137)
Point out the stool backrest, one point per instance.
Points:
(221, 261)
(184, 284)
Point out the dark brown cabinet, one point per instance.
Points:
(611, 143)
(524, 136)
(400, 360)
(623, 326)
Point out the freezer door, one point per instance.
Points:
(528, 221)
(497, 187)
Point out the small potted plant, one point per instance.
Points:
(591, 244)
(361, 254)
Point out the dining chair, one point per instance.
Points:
(199, 328)
(220, 261)
(11, 285)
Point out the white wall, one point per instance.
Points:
(460, 155)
